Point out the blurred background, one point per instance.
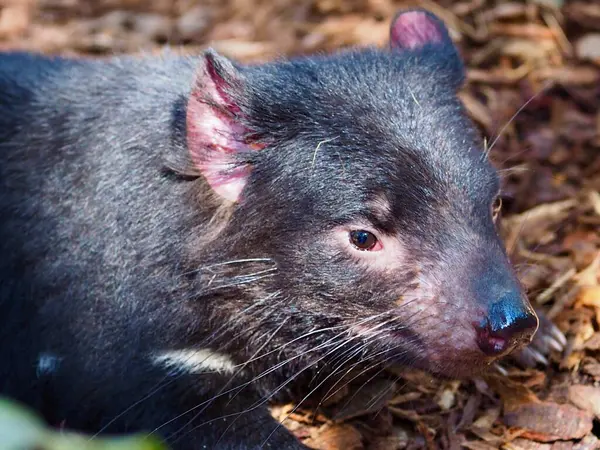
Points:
(534, 90)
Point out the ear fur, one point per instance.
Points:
(216, 136)
(421, 30)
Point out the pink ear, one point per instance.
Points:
(215, 135)
(416, 28)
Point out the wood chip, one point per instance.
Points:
(547, 421)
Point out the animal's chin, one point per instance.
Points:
(463, 370)
(445, 364)
(456, 369)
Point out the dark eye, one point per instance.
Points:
(496, 207)
(363, 240)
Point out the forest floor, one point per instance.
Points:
(533, 88)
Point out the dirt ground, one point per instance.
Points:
(534, 89)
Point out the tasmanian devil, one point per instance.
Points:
(185, 239)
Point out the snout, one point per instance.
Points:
(510, 322)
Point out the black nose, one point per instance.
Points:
(510, 322)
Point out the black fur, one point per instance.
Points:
(114, 248)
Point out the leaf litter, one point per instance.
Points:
(533, 87)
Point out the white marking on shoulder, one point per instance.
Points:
(195, 360)
(47, 364)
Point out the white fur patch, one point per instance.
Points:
(195, 360)
(48, 363)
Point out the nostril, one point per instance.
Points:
(505, 328)
(490, 343)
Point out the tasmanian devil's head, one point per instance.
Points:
(362, 206)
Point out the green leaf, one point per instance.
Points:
(20, 429)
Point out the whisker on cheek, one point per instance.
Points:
(372, 355)
(330, 342)
(357, 391)
(319, 385)
(296, 407)
(330, 394)
(168, 379)
(210, 267)
(267, 398)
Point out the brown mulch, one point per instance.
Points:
(533, 88)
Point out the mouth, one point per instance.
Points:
(447, 363)
(447, 356)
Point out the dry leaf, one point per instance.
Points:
(547, 421)
(513, 395)
(334, 437)
(586, 398)
(588, 47)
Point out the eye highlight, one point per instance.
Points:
(364, 240)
